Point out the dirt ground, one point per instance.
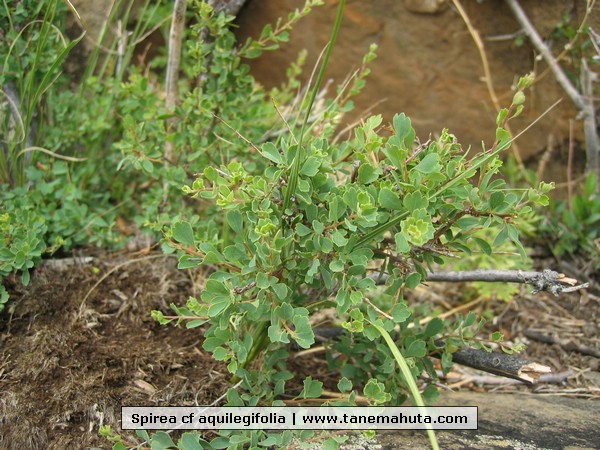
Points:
(79, 343)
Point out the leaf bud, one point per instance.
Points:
(519, 98)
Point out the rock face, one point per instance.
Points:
(429, 65)
(510, 421)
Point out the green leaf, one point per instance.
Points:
(503, 139)
(331, 444)
(513, 233)
(466, 223)
(429, 164)
(143, 434)
(367, 173)
(395, 154)
(342, 300)
(400, 313)
(312, 388)
(318, 226)
(211, 174)
(336, 208)
(303, 332)
(262, 280)
(418, 230)
(415, 200)
(389, 199)
(25, 277)
(220, 443)
(403, 128)
(278, 334)
(302, 230)
(416, 349)
(235, 221)
(402, 245)
(589, 184)
(161, 440)
(496, 200)
(310, 166)
(434, 326)
(413, 280)
(312, 271)
(271, 152)
(188, 262)
(195, 323)
(469, 320)
(336, 266)
(238, 439)
(325, 244)
(220, 353)
(375, 390)
(235, 253)
(183, 233)
(212, 257)
(344, 385)
(339, 239)
(190, 441)
(501, 116)
(483, 245)
(281, 291)
(518, 111)
(217, 296)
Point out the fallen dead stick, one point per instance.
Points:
(546, 378)
(547, 280)
(501, 364)
(566, 344)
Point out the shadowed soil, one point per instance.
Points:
(79, 343)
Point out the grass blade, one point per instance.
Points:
(408, 376)
(293, 178)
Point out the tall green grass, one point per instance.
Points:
(33, 52)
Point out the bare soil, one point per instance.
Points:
(79, 343)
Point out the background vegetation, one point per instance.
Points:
(289, 217)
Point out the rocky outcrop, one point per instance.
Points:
(429, 66)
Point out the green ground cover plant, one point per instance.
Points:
(573, 227)
(286, 216)
(302, 221)
(58, 162)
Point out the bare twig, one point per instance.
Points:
(541, 47)
(229, 7)
(570, 165)
(51, 153)
(556, 378)
(547, 280)
(545, 158)
(566, 344)
(173, 62)
(583, 103)
(172, 78)
(174, 59)
(589, 120)
(487, 73)
(546, 378)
